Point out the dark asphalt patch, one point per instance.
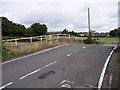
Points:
(63, 68)
(43, 76)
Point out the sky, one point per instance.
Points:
(63, 14)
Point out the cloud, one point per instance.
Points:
(60, 14)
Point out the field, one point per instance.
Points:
(109, 40)
(103, 40)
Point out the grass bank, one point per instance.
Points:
(102, 40)
(7, 54)
(10, 52)
(108, 40)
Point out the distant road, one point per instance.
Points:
(76, 66)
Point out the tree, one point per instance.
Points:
(65, 31)
(28, 32)
(11, 29)
(39, 29)
(115, 32)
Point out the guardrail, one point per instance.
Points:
(39, 38)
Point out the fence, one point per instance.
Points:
(37, 38)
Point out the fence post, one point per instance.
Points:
(58, 36)
(50, 37)
(41, 38)
(69, 36)
(16, 42)
(64, 35)
(30, 39)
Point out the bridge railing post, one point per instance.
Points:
(69, 36)
(16, 43)
(58, 36)
(50, 36)
(30, 39)
(41, 38)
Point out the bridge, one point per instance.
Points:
(66, 65)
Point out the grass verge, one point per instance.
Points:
(7, 54)
(101, 40)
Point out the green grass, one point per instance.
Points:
(6, 54)
(108, 40)
(102, 40)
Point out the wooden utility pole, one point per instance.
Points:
(89, 22)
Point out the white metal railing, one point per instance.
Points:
(41, 38)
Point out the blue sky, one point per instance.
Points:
(61, 14)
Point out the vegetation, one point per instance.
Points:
(28, 32)
(90, 40)
(115, 32)
(39, 29)
(10, 29)
(7, 54)
(65, 31)
(108, 40)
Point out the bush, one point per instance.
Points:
(7, 54)
(91, 41)
(88, 41)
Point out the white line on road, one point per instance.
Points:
(83, 47)
(48, 65)
(6, 85)
(66, 81)
(66, 86)
(75, 51)
(69, 55)
(34, 53)
(35, 71)
(104, 69)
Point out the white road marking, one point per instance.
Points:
(83, 47)
(75, 51)
(66, 86)
(64, 81)
(69, 55)
(104, 69)
(35, 71)
(34, 53)
(6, 85)
(48, 65)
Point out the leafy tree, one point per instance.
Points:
(11, 29)
(28, 32)
(39, 29)
(115, 32)
(65, 31)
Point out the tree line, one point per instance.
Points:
(115, 32)
(65, 31)
(112, 33)
(13, 29)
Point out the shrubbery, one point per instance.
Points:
(90, 41)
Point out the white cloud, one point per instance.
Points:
(60, 14)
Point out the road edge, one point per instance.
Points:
(34, 53)
(100, 82)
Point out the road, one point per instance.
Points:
(76, 66)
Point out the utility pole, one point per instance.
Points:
(89, 22)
